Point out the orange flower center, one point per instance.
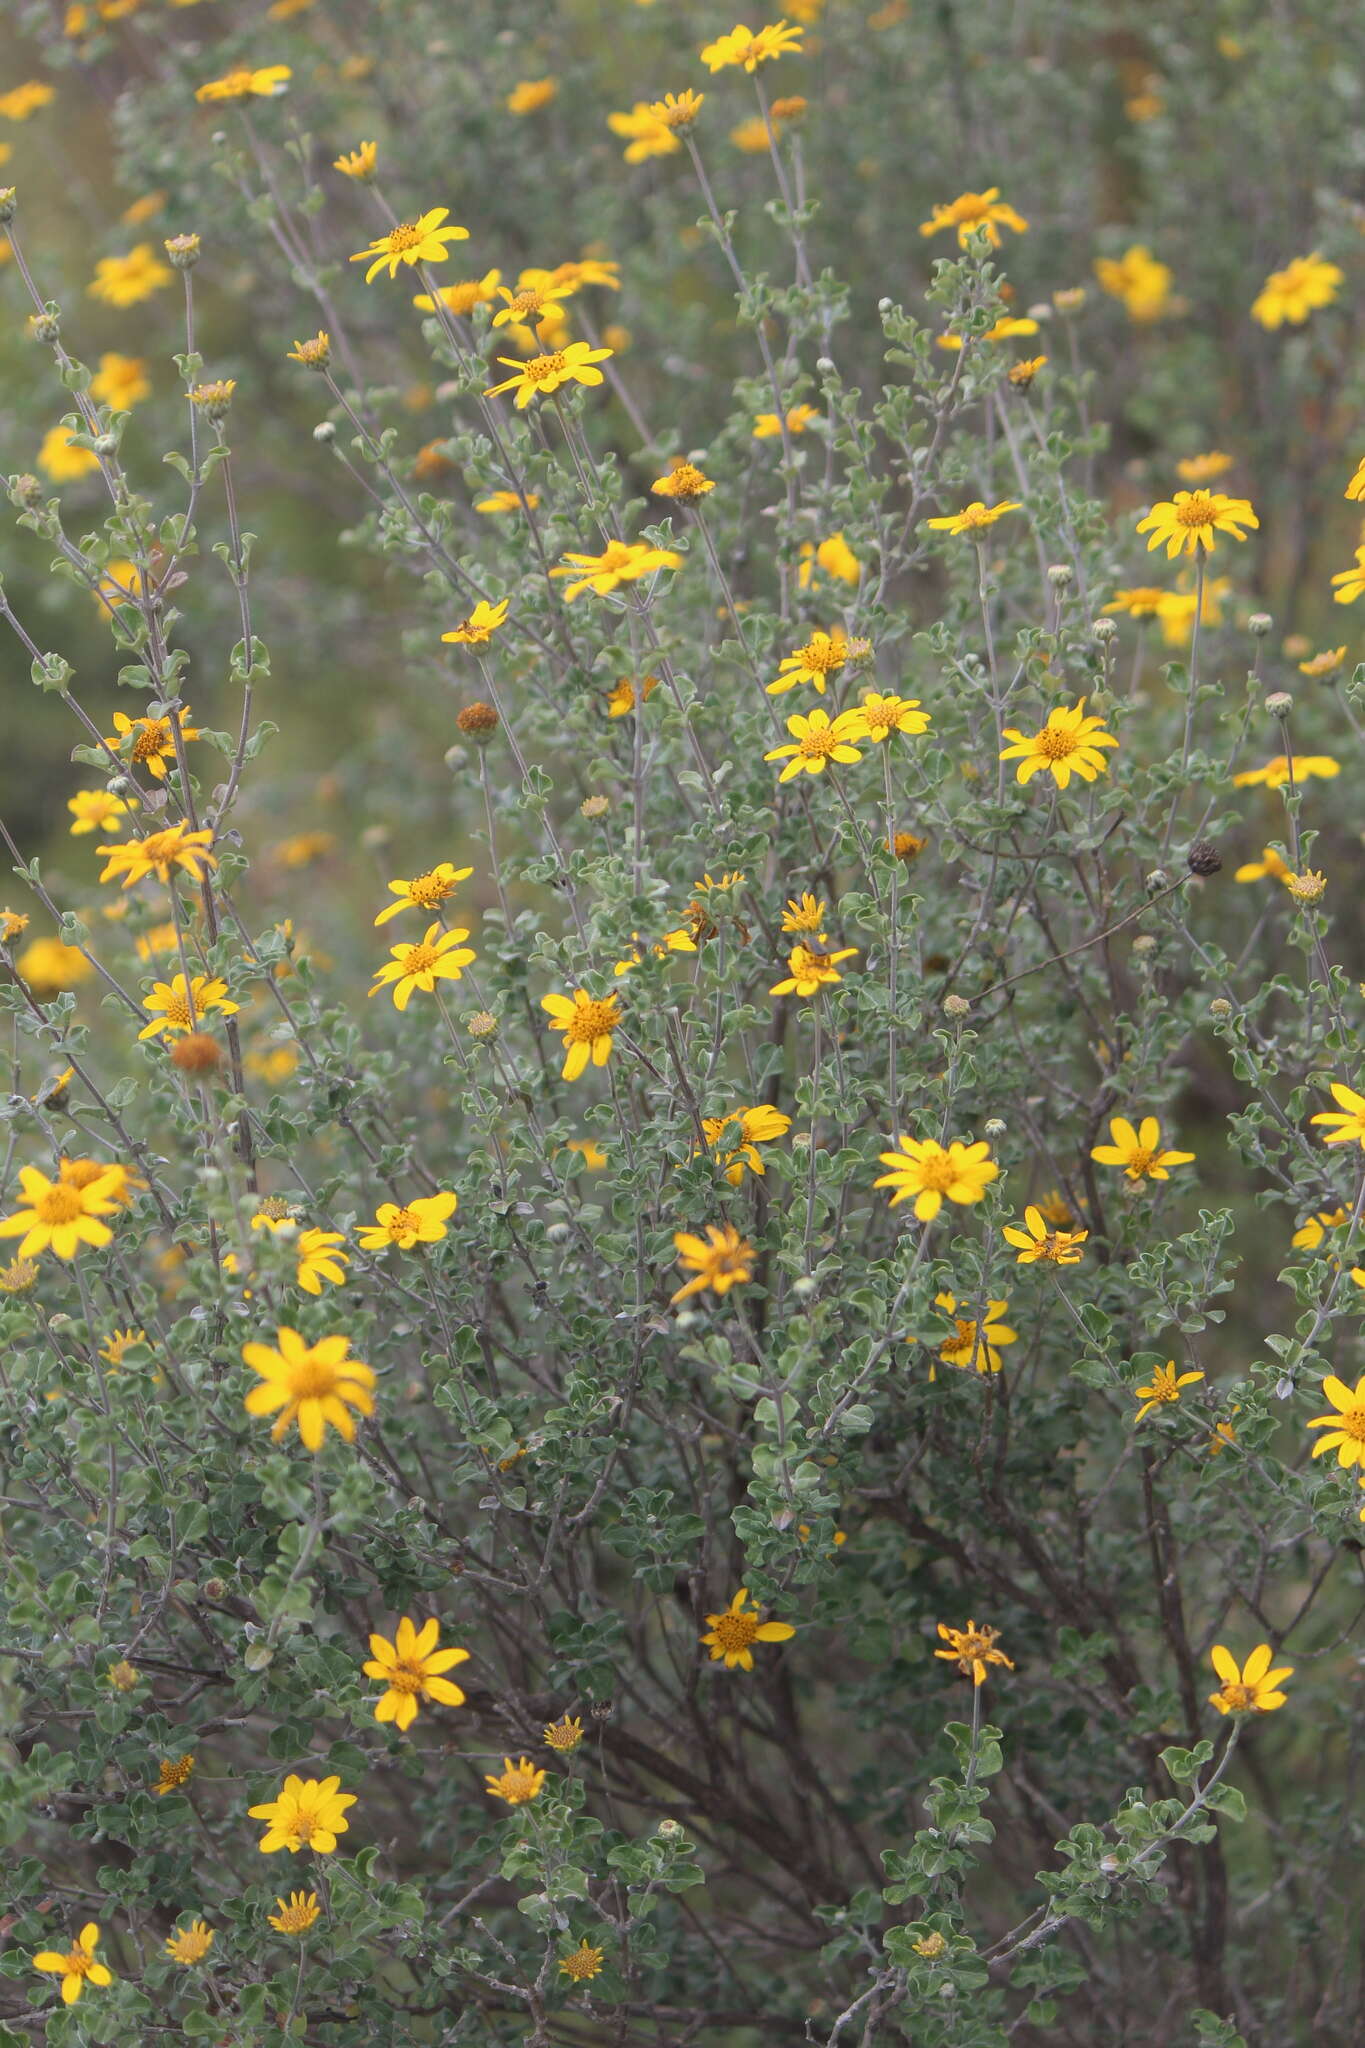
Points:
(1054, 743)
(420, 959)
(59, 1204)
(403, 1222)
(817, 743)
(592, 1020)
(1197, 510)
(405, 236)
(430, 890)
(966, 1336)
(1139, 1162)
(405, 1677)
(1239, 1697)
(529, 301)
(1352, 1425)
(542, 367)
(823, 654)
(970, 207)
(581, 1962)
(306, 1823)
(311, 1378)
(736, 1631)
(177, 1011)
(974, 515)
(78, 1962)
(153, 737)
(935, 1172)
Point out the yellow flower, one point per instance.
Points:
(1069, 744)
(127, 280)
(309, 1814)
(1204, 469)
(1036, 1242)
(1347, 584)
(1191, 520)
(49, 967)
(410, 1667)
(1022, 373)
(1349, 1117)
(183, 1009)
(22, 100)
(1270, 864)
(1309, 887)
(114, 1350)
(528, 95)
(925, 1169)
(1006, 328)
(834, 556)
(507, 501)
(806, 914)
(61, 1217)
(360, 162)
(1324, 664)
(623, 696)
(437, 956)
(12, 924)
(483, 622)
(123, 1676)
(78, 1966)
(311, 1384)
(1310, 1234)
(683, 481)
(190, 1944)
(1164, 1388)
(808, 971)
(296, 1914)
(544, 374)
(973, 517)
(60, 460)
(1296, 291)
(591, 1153)
(1142, 602)
(95, 810)
(246, 84)
(878, 716)
(1252, 1689)
(768, 427)
(461, 299)
(732, 1634)
(1278, 772)
(120, 382)
(412, 241)
(582, 1963)
(972, 1649)
(426, 891)
(1139, 1151)
(752, 47)
(752, 135)
(587, 1024)
(320, 1260)
(823, 655)
(643, 132)
(153, 739)
(564, 1735)
(159, 854)
(421, 1221)
(735, 1138)
(517, 1783)
(539, 300)
(974, 1346)
(818, 740)
(678, 111)
(973, 210)
(620, 562)
(1140, 280)
(718, 1262)
(1176, 611)
(119, 1183)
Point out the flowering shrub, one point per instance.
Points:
(669, 1045)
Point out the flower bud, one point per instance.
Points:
(1158, 879)
(1260, 623)
(1279, 703)
(324, 433)
(956, 1006)
(1220, 1007)
(1106, 631)
(1061, 575)
(995, 1127)
(182, 251)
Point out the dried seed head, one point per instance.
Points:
(1203, 858)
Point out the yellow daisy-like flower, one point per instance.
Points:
(832, 557)
(1035, 1242)
(1355, 489)
(22, 100)
(150, 742)
(114, 1350)
(1270, 864)
(427, 891)
(732, 1634)
(1324, 664)
(127, 280)
(437, 956)
(1348, 584)
(1022, 373)
(413, 241)
(60, 1217)
(735, 1138)
(483, 622)
(1139, 1151)
(582, 1963)
(517, 1782)
(752, 47)
(544, 374)
(971, 1649)
(184, 1009)
(768, 427)
(808, 970)
(643, 132)
(1346, 1425)
(120, 1184)
(411, 1667)
(620, 562)
(624, 695)
(529, 95)
(120, 382)
(973, 210)
(421, 1221)
(823, 655)
(172, 1773)
(461, 299)
(1163, 1389)
(933, 1174)
(245, 84)
(1192, 520)
(563, 1735)
(61, 460)
(309, 1814)
(683, 481)
(974, 1346)
(159, 855)
(718, 1262)
(1007, 328)
(972, 518)
(1140, 280)
(297, 1913)
(311, 1384)
(1278, 772)
(805, 914)
(1069, 744)
(95, 810)
(1311, 1234)
(587, 1023)
(1204, 469)
(76, 1967)
(190, 1944)
(360, 162)
(1291, 294)
(1250, 1688)
(320, 1259)
(1348, 1116)
(1144, 601)
(818, 740)
(878, 716)
(507, 501)
(678, 111)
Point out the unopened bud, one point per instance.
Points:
(1279, 703)
(324, 433)
(182, 251)
(995, 1127)
(1061, 575)
(1158, 879)
(1260, 623)
(956, 1006)
(1106, 631)
(1220, 1007)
